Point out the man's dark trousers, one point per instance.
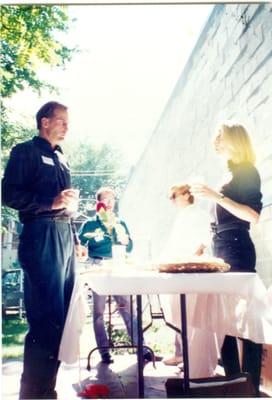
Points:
(46, 254)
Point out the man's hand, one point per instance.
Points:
(65, 199)
(123, 239)
(81, 252)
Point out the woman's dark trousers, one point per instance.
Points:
(237, 249)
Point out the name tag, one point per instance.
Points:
(62, 159)
(48, 160)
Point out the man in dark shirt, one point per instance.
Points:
(37, 184)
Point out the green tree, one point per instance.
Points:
(28, 34)
(93, 167)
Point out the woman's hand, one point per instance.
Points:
(241, 211)
(200, 190)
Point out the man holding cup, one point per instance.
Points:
(37, 183)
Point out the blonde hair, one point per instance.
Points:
(238, 142)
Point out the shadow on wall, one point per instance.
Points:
(262, 237)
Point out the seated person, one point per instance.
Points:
(100, 234)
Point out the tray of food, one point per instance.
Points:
(195, 264)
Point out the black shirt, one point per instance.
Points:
(244, 188)
(34, 176)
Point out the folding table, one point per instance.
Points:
(242, 294)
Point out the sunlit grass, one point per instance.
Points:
(14, 330)
(13, 334)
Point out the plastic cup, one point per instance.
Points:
(73, 205)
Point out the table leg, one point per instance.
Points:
(184, 339)
(110, 326)
(140, 348)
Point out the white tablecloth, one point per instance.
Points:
(231, 303)
(130, 281)
(234, 303)
(69, 350)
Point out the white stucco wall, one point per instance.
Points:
(228, 75)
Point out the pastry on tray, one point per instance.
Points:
(195, 264)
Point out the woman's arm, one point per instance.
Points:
(239, 210)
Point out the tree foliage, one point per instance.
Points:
(28, 34)
(93, 167)
(12, 133)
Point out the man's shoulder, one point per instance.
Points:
(24, 146)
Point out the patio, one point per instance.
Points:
(120, 377)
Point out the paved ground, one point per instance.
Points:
(120, 377)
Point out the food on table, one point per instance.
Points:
(195, 264)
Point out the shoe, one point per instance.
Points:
(174, 360)
(148, 357)
(106, 358)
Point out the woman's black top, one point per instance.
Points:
(244, 188)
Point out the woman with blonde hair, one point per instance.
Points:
(236, 205)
